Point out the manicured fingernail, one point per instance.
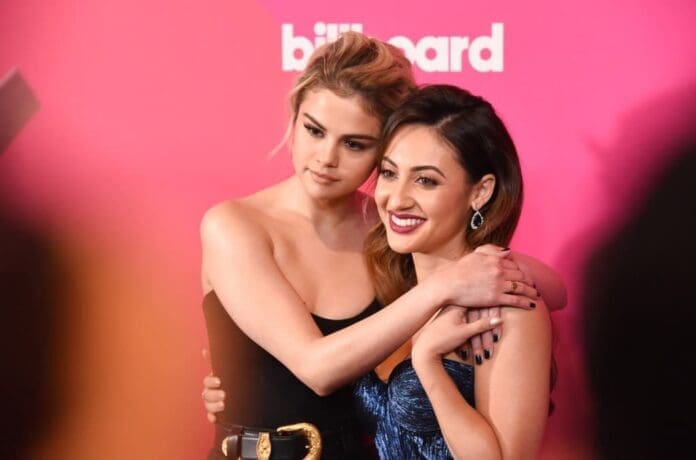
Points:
(487, 353)
(463, 354)
(505, 249)
(495, 338)
(478, 359)
(532, 305)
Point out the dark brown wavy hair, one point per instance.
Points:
(482, 145)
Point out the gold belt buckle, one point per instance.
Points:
(310, 432)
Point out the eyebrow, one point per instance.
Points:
(418, 168)
(345, 136)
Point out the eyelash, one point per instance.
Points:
(349, 143)
(427, 181)
(354, 145)
(314, 131)
(387, 173)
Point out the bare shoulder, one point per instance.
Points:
(530, 323)
(527, 262)
(232, 222)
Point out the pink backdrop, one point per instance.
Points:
(153, 110)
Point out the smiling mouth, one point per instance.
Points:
(404, 223)
(322, 178)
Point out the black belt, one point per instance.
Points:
(291, 442)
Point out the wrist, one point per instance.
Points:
(435, 289)
(423, 360)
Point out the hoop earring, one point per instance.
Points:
(476, 220)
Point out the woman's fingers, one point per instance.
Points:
(492, 250)
(497, 332)
(214, 407)
(465, 350)
(486, 337)
(515, 283)
(511, 300)
(210, 382)
(476, 344)
(480, 326)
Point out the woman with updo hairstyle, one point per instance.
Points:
(450, 182)
(290, 310)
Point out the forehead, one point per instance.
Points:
(339, 113)
(416, 145)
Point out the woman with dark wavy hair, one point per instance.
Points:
(449, 182)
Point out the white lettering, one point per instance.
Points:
(429, 53)
(438, 61)
(494, 44)
(292, 44)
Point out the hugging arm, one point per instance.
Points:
(549, 286)
(238, 264)
(511, 391)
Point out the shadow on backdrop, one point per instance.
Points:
(638, 319)
(29, 301)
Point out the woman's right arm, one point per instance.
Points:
(238, 264)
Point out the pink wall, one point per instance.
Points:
(153, 110)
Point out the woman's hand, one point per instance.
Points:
(481, 345)
(485, 277)
(213, 396)
(446, 332)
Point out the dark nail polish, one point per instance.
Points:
(487, 354)
(532, 305)
(495, 338)
(478, 359)
(505, 249)
(463, 354)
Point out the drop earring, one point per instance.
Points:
(476, 219)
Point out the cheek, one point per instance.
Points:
(360, 169)
(448, 209)
(381, 194)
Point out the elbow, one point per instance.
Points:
(316, 379)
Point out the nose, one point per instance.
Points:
(327, 155)
(399, 196)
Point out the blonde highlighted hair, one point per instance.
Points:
(356, 65)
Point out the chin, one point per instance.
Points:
(400, 246)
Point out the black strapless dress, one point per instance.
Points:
(261, 392)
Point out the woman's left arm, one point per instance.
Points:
(511, 389)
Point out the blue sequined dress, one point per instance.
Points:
(399, 413)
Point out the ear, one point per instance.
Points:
(482, 191)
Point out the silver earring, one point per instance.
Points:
(476, 220)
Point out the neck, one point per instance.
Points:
(427, 263)
(323, 213)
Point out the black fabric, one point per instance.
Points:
(260, 391)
